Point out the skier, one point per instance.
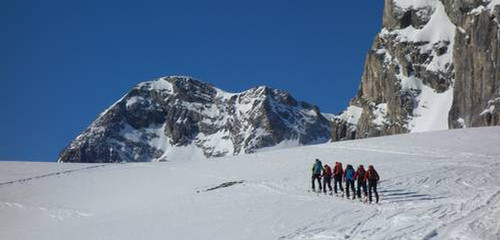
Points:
(349, 181)
(372, 176)
(359, 176)
(327, 178)
(337, 177)
(316, 174)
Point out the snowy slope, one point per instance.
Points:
(438, 185)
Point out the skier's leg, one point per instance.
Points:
(358, 191)
(319, 183)
(340, 184)
(375, 190)
(335, 184)
(370, 191)
(364, 189)
(353, 190)
(347, 188)
(312, 180)
(324, 184)
(330, 183)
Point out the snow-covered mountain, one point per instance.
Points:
(182, 118)
(433, 66)
(439, 185)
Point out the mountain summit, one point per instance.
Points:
(178, 117)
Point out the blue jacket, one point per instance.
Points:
(349, 174)
(317, 167)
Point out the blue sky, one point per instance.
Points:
(63, 62)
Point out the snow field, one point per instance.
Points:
(439, 185)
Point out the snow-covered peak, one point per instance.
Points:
(170, 84)
(174, 118)
(161, 84)
(167, 83)
(415, 4)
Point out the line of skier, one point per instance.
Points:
(366, 180)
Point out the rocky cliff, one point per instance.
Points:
(180, 118)
(433, 66)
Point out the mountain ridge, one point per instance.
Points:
(181, 117)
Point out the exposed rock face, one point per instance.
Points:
(433, 66)
(177, 118)
(476, 99)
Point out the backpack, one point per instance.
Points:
(361, 174)
(327, 171)
(373, 175)
(317, 168)
(349, 174)
(338, 170)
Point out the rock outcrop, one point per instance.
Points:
(179, 118)
(433, 66)
(476, 100)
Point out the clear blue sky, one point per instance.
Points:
(63, 62)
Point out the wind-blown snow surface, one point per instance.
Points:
(442, 185)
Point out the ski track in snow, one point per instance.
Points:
(49, 175)
(442, 185)
(56, 213)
